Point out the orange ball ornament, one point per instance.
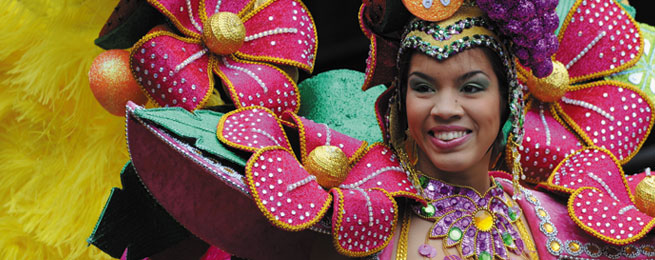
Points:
(112, 83)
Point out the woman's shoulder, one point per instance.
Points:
(557, 235)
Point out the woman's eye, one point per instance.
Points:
(472, 88)
(421, 88)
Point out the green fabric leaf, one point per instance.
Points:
(336, 98)
(642, 74)
(200, 125)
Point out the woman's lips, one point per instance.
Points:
(448, 137)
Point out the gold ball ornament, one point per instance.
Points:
(112, 82)
(329, 164)
(224, 33)
(645, 196)
(551, 88)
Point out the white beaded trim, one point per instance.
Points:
(586, 49)
(588, 106)
(248, 72)
(269, 33)
(190, 59)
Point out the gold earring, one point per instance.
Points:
(411, 148)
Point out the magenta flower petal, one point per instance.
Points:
(251, 128)
(288, 196)
(258, 84)
(546, 142)
(611, 115)
(280, 32)
(173, 71)
(616, 221)
(183, 14)
(610, 36)
(363, 220)
(379, 168)
(232, 6)
(601, 203)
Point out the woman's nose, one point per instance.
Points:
(446, 106)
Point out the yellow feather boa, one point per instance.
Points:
(60, 152)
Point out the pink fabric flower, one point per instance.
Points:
(178, 70)
(595, 40)
(601, 201)
(364, 211)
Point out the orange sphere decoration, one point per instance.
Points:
(112, 82)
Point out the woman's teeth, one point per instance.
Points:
(447, 136)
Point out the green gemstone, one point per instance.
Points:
(484, 255)
(508, 239)
(512, 215)
(455, 234)
(428, 210)
(424, 181)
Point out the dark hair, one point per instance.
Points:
(503, 83)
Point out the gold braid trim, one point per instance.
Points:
(401, 250)
(531, 249)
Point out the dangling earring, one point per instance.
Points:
(411, 148)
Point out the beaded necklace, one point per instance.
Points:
(483, 227)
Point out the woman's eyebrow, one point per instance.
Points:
(461, 78)
(470, 74)
(421, 75)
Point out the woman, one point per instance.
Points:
(448, 120)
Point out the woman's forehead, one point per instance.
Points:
(461, 63)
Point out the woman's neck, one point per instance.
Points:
(476, 177)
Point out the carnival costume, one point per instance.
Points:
(246, 178)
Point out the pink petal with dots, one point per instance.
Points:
(258, 84)
(600, 38)
(251, 129)
(288, 195)
(316, 134)
(183, 14)
(591, 167)
(611, 114)
(545, 144)
(379, 168)
(599, 213)
(173, 71)
(281, 32)
(363, 220)
(232, 6)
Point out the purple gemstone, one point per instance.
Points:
(466, 249)
(425, 249)
(444, 190)
(448, 220)
(519, 244)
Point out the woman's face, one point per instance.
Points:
(453, 111)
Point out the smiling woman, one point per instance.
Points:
(455, 103)
(451, 116)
